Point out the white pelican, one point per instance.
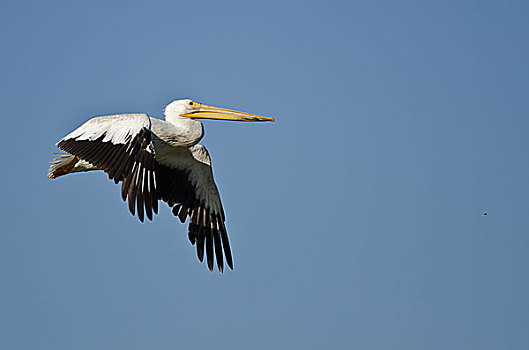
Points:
(158, 160)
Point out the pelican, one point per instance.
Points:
(158, 160)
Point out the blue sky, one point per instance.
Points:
(356, 220)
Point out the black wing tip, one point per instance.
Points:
(208, 249)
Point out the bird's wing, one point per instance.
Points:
(185, 182)
(121, 146)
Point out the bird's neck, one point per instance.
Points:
(188, 131)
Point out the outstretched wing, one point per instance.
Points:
(121, 146)
(185, 182)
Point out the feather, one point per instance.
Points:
(139, 193)
(218, 250)
(209, 250)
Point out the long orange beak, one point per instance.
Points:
(208, 112)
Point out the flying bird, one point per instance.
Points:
(158, 160)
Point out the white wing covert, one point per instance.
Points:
(121, 146)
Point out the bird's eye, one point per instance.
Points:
(190, 103)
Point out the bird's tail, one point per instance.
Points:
(62, 165)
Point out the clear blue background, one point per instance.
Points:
(356, 220)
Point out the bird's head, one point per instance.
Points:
(194, 110)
